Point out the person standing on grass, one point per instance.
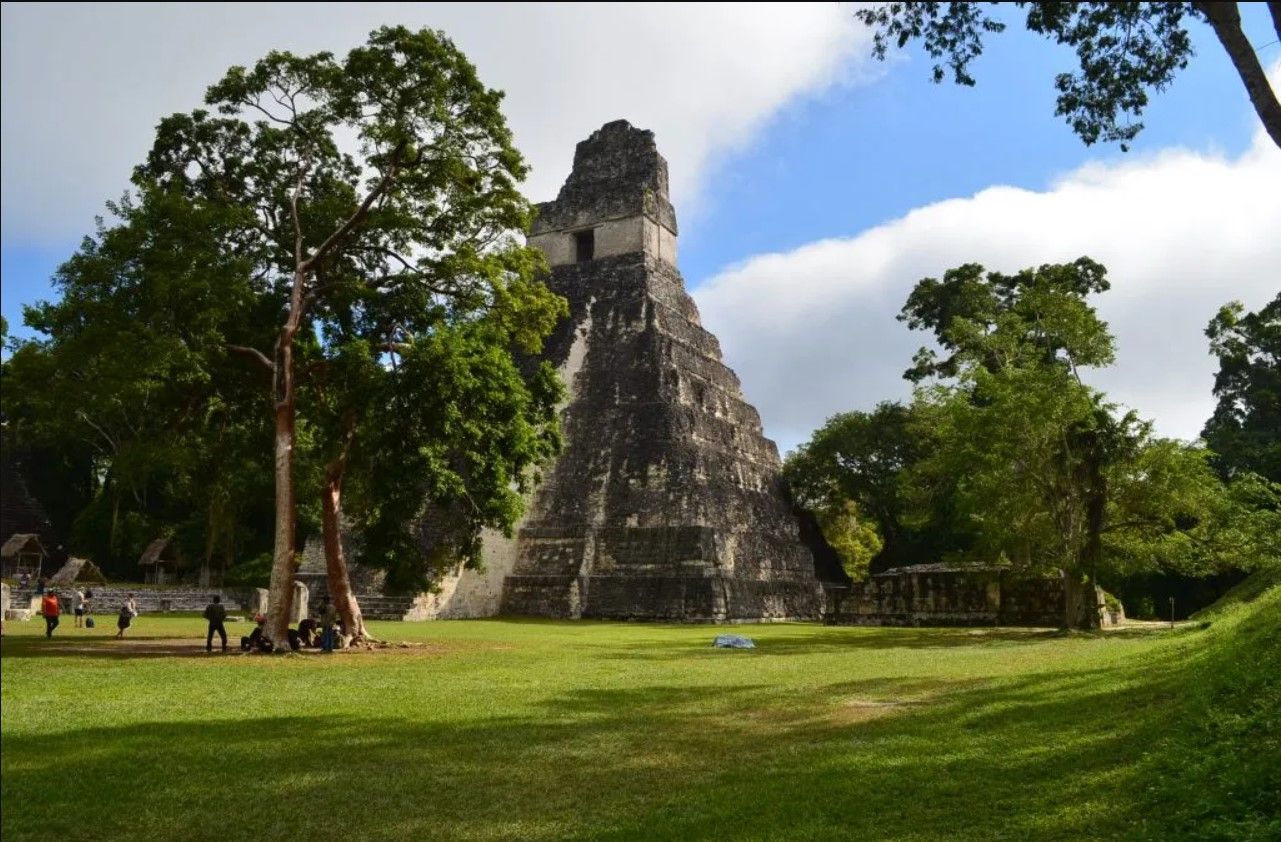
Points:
(216, 614)
(50, 609)
(128, 610)
(328, 617)
(78, 606)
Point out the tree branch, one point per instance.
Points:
(253, 354)
(293, 210)
(355, 219)
(1225, 19)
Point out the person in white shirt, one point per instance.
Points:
(78, 606)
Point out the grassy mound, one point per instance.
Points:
(1257, 585)
(1218, 775)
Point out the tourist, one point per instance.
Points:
(25, 581)
(50, 609)
(328, 618)
(307, 631)
(78, 606)
(128, 610)
(216, 614)
(254, 639)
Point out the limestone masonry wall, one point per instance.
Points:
(942, 595)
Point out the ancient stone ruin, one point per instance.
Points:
(666, 501)
(940, 594)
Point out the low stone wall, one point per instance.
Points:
(108, 599)
(940, 595)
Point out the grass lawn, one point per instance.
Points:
(553, 730)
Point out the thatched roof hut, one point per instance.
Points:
(22, 553)
(161, 561)
(78, 570)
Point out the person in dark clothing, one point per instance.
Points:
(254, 639)
(328, 619)
(216, 614)
(307, 631)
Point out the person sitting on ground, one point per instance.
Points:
(50, 609)
(216, 614)
(307, 631)
(78, 606)
(254, 639)
(128, 610)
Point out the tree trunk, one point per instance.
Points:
(1225, 19)
(335, 562)
(1081, 585)
(280, 593)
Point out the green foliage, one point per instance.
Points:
(128, 403)
(417, 297)
(253, 573)
(1047, 471)
(1245, 430)
(1124, 52)
(853, 537)
(860, 459)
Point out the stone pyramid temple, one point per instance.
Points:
(666, 501)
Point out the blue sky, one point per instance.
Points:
(780, 131)
(860, 155)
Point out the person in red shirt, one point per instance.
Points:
(50, 608)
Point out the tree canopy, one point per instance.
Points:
(1125, 51)
(1007, 455)
(1245, 430)
(331, 262)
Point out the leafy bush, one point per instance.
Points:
(255, 573)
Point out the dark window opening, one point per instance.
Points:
(585, 244)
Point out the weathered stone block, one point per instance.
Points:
(298, 611)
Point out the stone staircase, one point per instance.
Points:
(381, 607)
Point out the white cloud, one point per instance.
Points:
(813, 331)
(84, 85)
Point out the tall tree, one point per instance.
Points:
(1125, 51)
(131, 370)
(1050, 473)
(414, 229)
(1245, 430)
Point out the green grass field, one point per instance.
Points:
(553, 730)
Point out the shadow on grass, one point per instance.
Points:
(164, 643)
(1045, 756)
